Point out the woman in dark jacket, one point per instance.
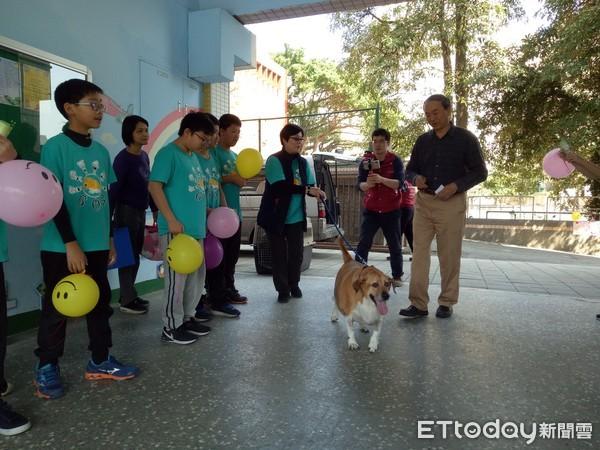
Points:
(129, 200)
(282, 211)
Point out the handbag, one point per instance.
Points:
(151, 249)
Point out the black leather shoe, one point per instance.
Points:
(412, 312)
(443, 312)
(296, 292)
(283, 297)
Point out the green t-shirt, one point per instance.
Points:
(226, 160)
(212, 180)
(85, 174)
(274, 173)
(3, 244)
(183, 184)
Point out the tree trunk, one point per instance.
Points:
(460, 65)
(445, 47)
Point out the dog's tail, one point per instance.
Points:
(345, 253)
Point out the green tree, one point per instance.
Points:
(318, 92)
(546, 90)
(393, 53)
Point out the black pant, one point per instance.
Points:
(215, 284)
(389, 223)
(135, 221)
(3, 327)
(406, 224)
(53, 325)
(231, 254)
(287, 250)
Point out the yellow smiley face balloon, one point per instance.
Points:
(184, 254)
(75, 295)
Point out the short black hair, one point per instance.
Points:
(196, 121)
(445, 101)
(288, 131)
(71, 91)
(382, 132)
(128, 127)
(227, 120)
(213, 119)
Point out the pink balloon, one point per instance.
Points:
(223, 222)
(213, 251)
(555, 166)
(30, 194)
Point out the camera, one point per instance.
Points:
(371, 164)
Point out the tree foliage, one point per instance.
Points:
(417, 41)
(546, 90)
(318, 93)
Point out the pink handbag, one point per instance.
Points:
(151, 249)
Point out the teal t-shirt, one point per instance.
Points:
(183, 185)
(274, 173)
(3, 243)
(85, 174)
(226, 160)
(212, 180)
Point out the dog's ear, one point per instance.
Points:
(357, 279)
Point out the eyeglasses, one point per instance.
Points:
(95, 106)
(199, 136)
(296, 138)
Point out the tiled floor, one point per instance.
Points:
(281, 376)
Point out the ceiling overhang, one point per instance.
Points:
(258, 11)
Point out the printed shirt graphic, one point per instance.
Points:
(183, 185)
(274, 173)
(3, 244)
(226, 160)
(85, 174)
(212, 180)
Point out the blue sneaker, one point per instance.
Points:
(111, 369)
(225, 310)
(203, 313)
(47, 382)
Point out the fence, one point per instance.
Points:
(537, 208)
(333, 131)
(534, 207)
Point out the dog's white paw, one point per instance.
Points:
(334, 318)
(352, 345)
(374, 344)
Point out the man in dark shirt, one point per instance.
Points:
(445, 162)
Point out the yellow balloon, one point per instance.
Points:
(575, 215)
(75, 295)
(184, 254)
(249, 162)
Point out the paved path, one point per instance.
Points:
(488, 266)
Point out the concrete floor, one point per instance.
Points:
(281, 376)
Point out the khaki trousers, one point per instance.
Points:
(444, 220)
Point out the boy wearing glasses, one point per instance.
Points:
(79, 238)
(177, 186)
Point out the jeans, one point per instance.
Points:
(389, 222)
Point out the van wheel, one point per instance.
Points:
(262, 251)
(262, 258)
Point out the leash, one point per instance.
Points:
(348, 245)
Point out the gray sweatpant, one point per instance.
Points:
(182, 292)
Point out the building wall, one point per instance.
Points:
(117, 40)
(260, 93)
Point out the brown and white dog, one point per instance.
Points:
(360, 294)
